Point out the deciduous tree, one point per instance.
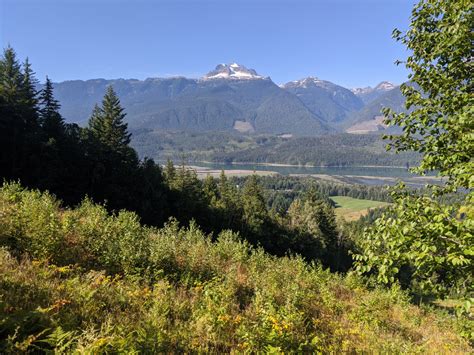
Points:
(427, 243)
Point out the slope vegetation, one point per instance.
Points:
(91, 282)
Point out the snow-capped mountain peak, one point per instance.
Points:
(310, 81)
(385, 86)
(369, 94)
(362, 91)
(232, 71)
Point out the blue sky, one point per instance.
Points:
(345, 41)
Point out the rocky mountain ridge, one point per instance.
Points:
(231, 97)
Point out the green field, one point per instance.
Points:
(352, 209)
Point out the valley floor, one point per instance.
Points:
(351, 209)
(365, 175)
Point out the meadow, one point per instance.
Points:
(351, 209)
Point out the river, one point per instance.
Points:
(367, 175)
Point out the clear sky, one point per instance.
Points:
(345, 41)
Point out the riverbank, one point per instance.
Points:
(301, 165)
(346, 175)
(202, 172)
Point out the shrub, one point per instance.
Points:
(95, 283)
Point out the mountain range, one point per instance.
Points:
(233, 98)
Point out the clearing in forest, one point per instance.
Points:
(352, 209)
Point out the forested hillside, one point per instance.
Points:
(196, 105)
(244, 103)
(329, 150)
(325, 99)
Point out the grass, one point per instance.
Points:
(352, 209)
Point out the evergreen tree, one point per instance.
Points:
(51, 120)
(107, 123)
(62, 163)
(191, 201)
(151, 193)
(12, 127)
(229, 202)
(229, 197)
(210, 190)
(94, 120)
(29, 96)
(170, 171)
(11, 77)
(114, 165)
(314, 224)
(19, 120)
(255, 212)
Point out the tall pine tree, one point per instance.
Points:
(18, 119)
(11, 77)
(107, 123)
(51, 120)
(114, 164)
(12, 126)
(29, 96)
(254, 207)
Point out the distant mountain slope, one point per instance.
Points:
(327, 100)
(329, 150)
(229, 96)
(233, 98)
(369, 117)
(78, 97)
(340, 149)
(368, 126)
(369, 94)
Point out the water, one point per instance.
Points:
(340, 171)
(348, 174)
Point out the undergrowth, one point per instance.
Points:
(83, 280)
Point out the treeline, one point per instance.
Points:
(40, 150)
(195, 146)
(281, 191)
(333, 150)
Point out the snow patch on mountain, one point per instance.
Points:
(361, 91)
(308, 82)
(232, 71)
(383, 86)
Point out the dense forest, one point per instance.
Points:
(281, 191)
(110, 253)
(329, 150)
